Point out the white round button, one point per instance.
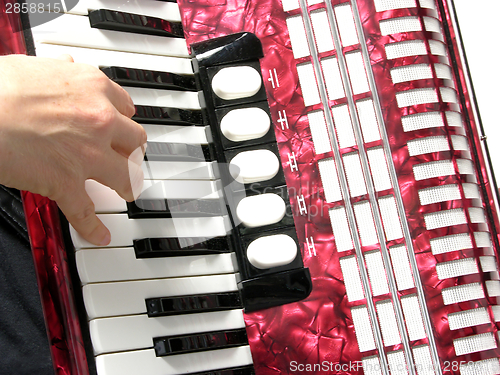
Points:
(272, 251)
(254, 166)
(236, 82)
(260, 210)
(245, 123)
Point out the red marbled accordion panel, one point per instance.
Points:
(319, 331)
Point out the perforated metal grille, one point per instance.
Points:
(319, 132)
(329, 178)
(401, 267)
(455, 268)
(322, 32)
(433, 169)
(381, 5)
(474, 344)
(363, 328)
(468, 318)
(413, 317)
(354, 173)
(346, 25)
(390, 217)
(423, 120)
(416, 96)
(485, 367)
(427, 145)
(445, 218)
(462, 293)
(397, 363)
(437, 48)
(388, 324)
(307, 81)
(343, 126)
(450, 243)
(411, 73)
(352, 279)
(404, 49)
(366, 225)
(379, 169)
(368, 120)
(357, 73)
(333, 80)
(341, 232)
(438, 194)
(376, 273)
(298, 37)
(423, 360)
(400, 25)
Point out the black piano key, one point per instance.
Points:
(168, 116)
(171, 345)
(243, 370)
(150, 78)
(167, 208)
(172, 247)
(105, 19)
(161, 151)
(193, 304)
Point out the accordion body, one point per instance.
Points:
(393, 202)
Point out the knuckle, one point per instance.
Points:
(86, 215)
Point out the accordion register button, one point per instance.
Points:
(245, 123)
(272, 251)
(236, 82)
(254, 166)
(260, 210)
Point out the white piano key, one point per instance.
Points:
(178, 134)
(165, 10)
(120, 264)
(180, 170)
(74, 30)
(105, 58)
(164, 98)
(107, 200)
(134, 332)
(128, 297)
(146, 362)
(124, 230)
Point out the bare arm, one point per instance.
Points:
(62, 123)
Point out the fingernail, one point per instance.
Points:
(105, 240)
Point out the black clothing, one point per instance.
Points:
(24, 346)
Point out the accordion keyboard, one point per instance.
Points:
(203, 329)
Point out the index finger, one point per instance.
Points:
(80, 212)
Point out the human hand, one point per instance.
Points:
(62, 123)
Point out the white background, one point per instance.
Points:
(479, 22)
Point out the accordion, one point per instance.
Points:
(369, 244)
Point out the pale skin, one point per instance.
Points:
(61, 124)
